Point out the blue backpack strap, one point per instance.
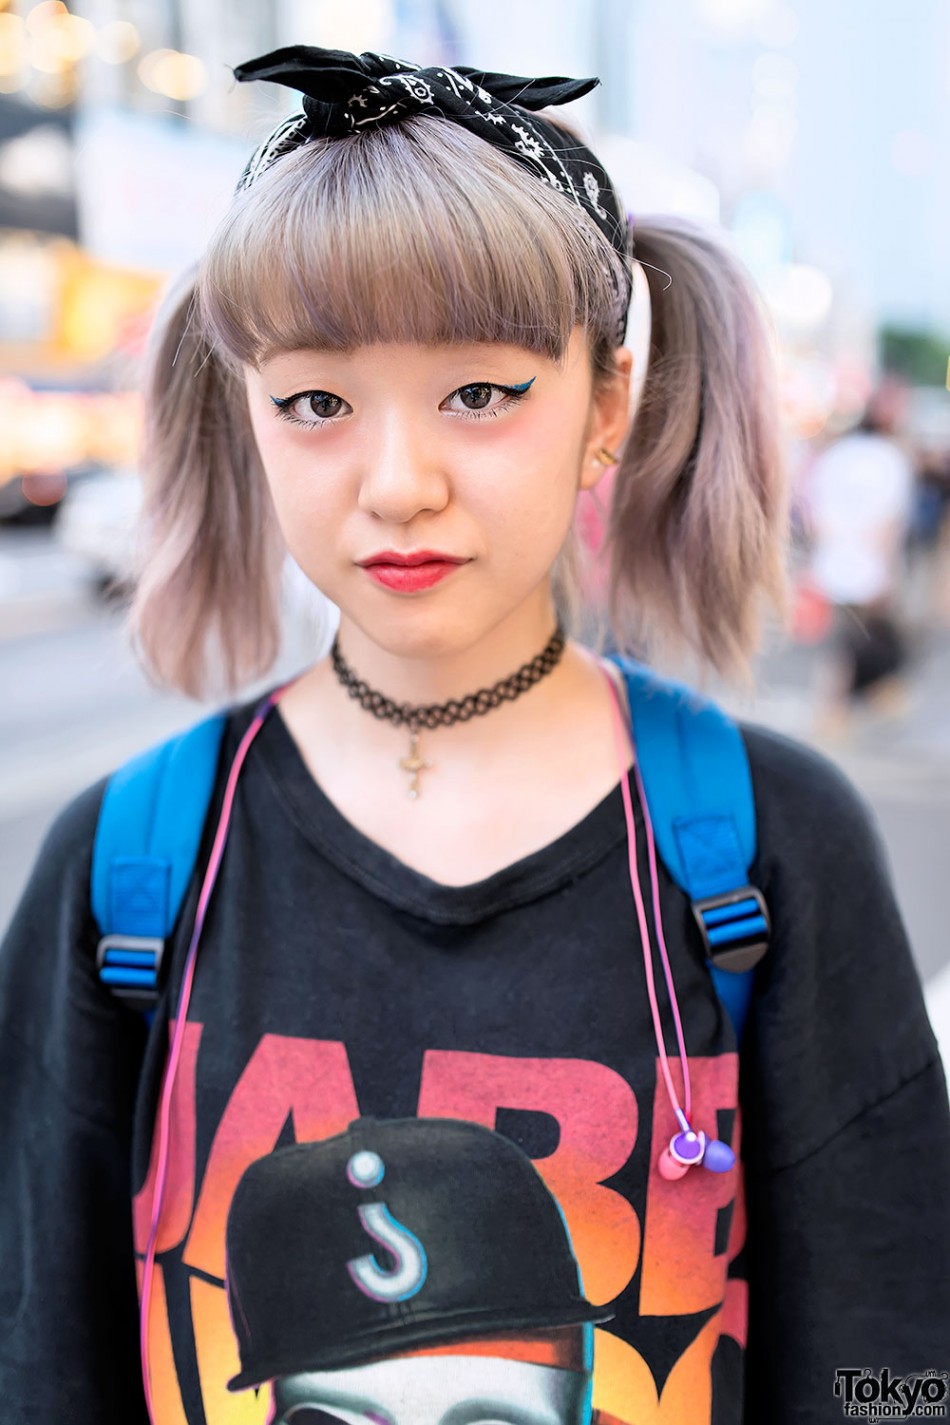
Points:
(150, 825)
(698, 786)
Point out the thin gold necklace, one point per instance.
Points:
(444, 714)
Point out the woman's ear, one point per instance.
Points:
(609, 419)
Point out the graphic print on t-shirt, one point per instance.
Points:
(398, 1242)
(333, 1267)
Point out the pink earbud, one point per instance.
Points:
(688, 1148)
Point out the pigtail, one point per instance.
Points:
(206, 607)
(697, 528)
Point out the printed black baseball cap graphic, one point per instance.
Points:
(389, 1237)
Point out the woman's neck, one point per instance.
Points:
(439, 665)
(544, 721)
(499, 787)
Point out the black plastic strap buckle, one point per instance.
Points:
(736, 928)
(129, 966)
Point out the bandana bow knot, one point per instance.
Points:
(344, 92)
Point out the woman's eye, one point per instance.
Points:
(486, 397)
(476, 398)
(322, 404)
(309, 408)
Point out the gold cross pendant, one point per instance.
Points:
(414, 764)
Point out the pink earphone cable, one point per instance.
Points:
(661, 937)
(681, 1114)
(181, 1016)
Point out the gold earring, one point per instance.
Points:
(605, 457)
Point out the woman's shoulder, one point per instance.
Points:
(809, 814)
(71, 834)
(840, 1023)
(784, 765)
(52, 915)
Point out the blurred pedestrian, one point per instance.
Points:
(860, 500)
(929, 552)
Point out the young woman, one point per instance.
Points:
(401, 360)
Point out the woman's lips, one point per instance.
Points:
(407, 579)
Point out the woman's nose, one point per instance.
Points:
(403, 472)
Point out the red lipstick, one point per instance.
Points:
(408, 573)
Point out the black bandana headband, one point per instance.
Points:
(344, 93)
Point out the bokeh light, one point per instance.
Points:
(339, 24)
(775, 76)
(118, 42)
(800, 297)
(173, 74)
(44, 14)
(13, 44)
(732, 16)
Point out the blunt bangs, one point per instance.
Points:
(417, 232)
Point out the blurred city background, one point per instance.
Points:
(815, 134)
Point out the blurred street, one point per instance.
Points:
(76, 705)
(75, 702)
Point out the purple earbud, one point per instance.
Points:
(688, 1148)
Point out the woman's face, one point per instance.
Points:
(476, 452)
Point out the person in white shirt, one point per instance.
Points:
(859, 502)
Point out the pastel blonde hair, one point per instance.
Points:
(422, 232)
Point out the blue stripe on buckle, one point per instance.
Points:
(130, 957)
(127, 977)
(737, 931)
(717, 914)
